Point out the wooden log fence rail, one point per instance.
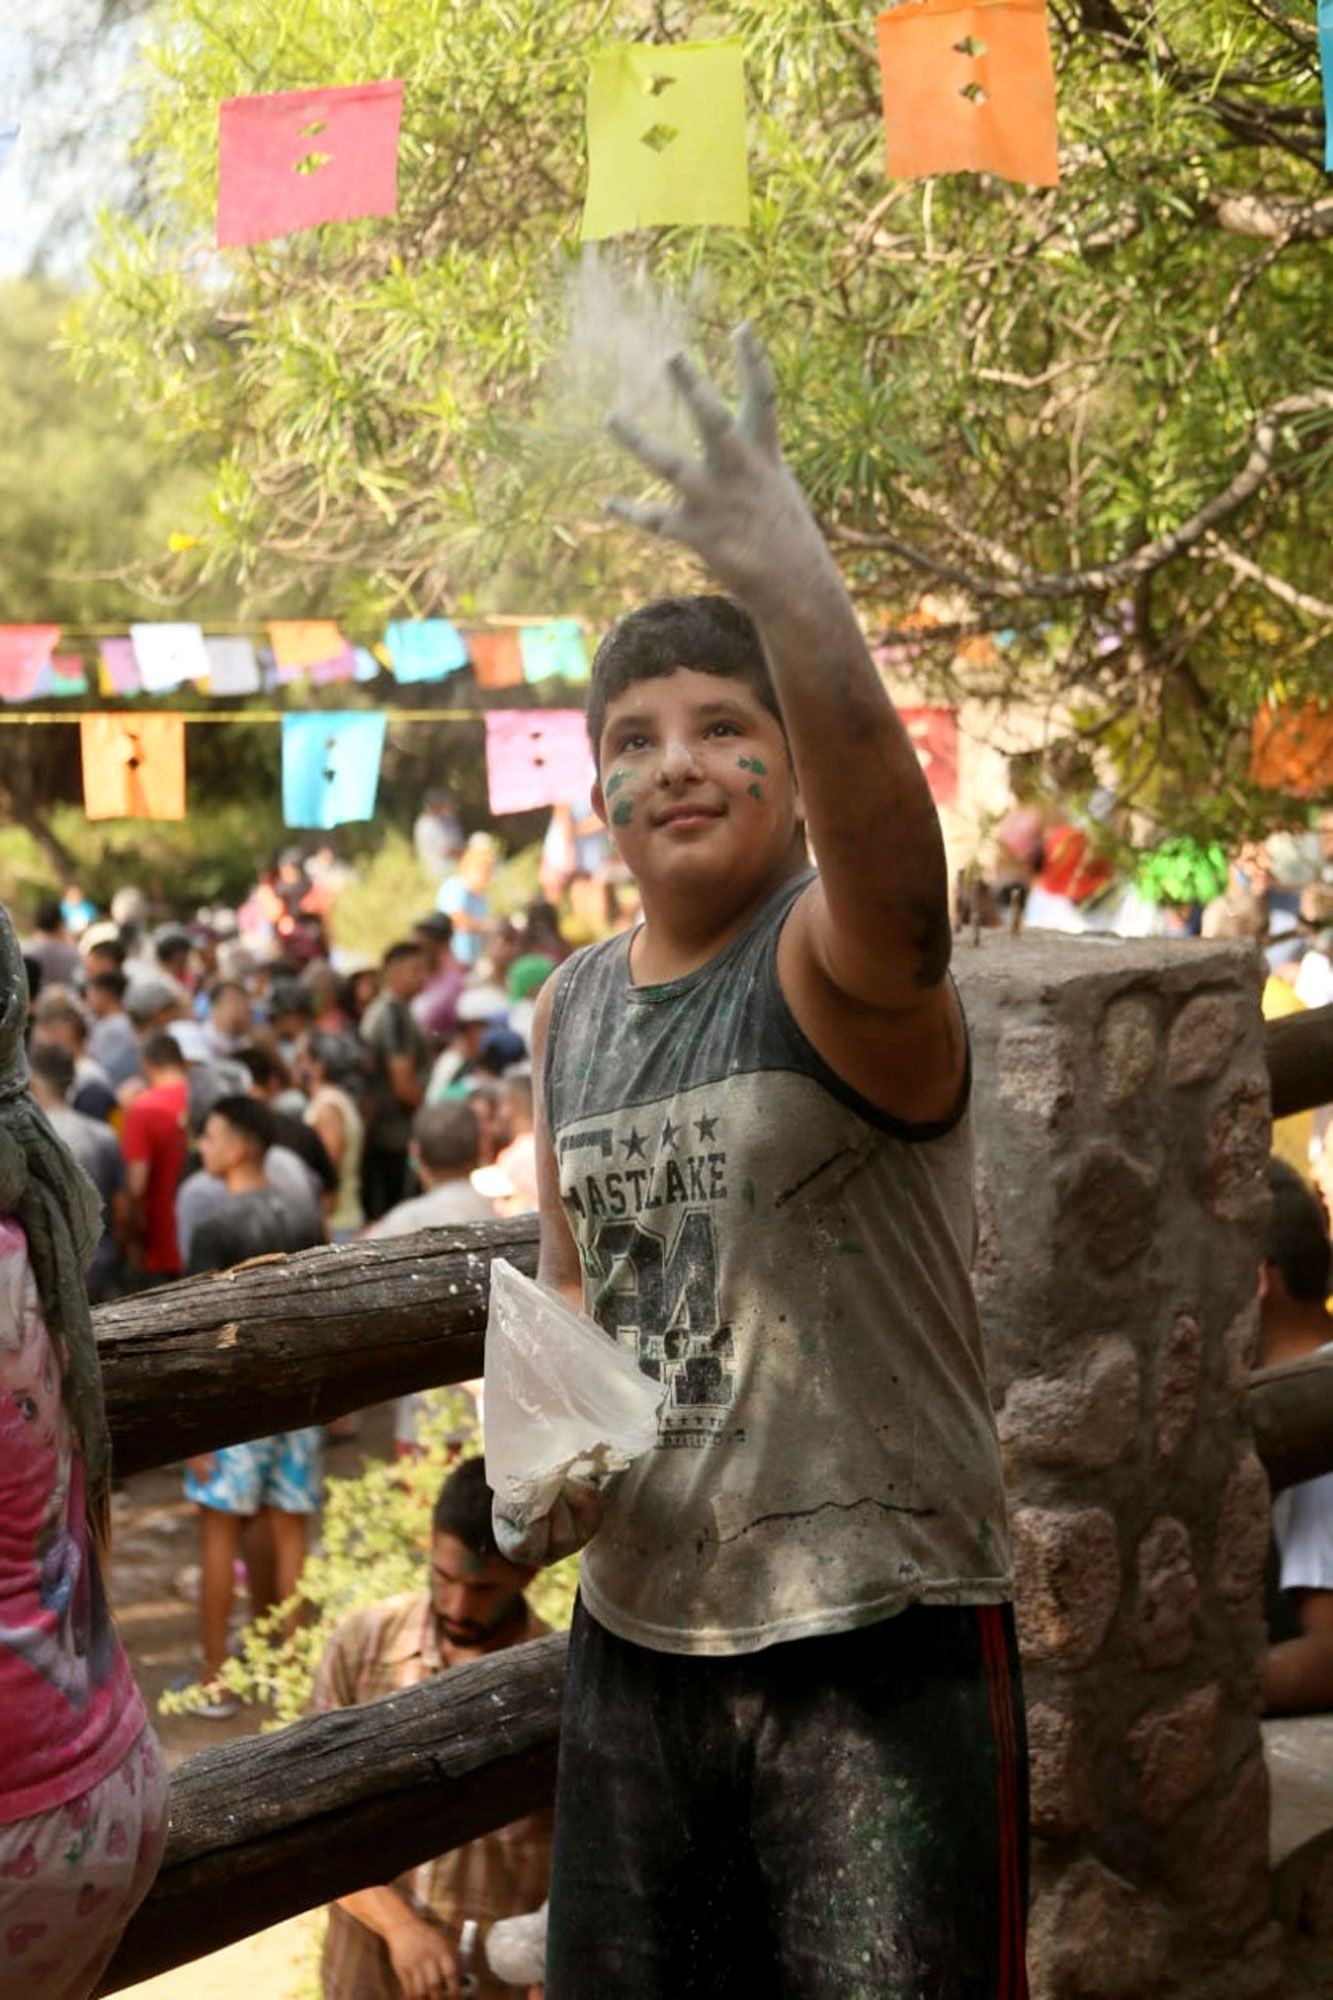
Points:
(265, 1828)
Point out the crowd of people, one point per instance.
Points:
(366, 1087)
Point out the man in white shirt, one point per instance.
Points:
(1294, 1281)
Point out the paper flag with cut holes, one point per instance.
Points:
(537, 757)
(296, 158)
(969, 87)
(666, 137)
(934, 734)
(24, 651)
(1325, 65)
(425, 649)
(497, 658)
(232, 666)
(8, 140)
(133, 766)
(168, 655)
(313, 646)
(553, 651)
(63, 675)
(118, 668)
(330, 767)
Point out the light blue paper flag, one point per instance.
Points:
(368, 667)
(330, 767)
(554, 651)
(8, 136)
(1325, 65)
(424, 649)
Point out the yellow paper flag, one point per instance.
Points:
(666, 137)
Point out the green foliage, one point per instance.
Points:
(390, 892)
(1005, 397)
(211, 857)
(374, 1543)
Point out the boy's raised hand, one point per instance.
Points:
(738, 507)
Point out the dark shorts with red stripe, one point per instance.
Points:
(842, 1818)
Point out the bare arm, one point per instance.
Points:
(329, 1123)
(404, 1082)
(1298, 1674)
(880, 924)
(425, 1959)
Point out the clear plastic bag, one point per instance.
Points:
(563, 1401)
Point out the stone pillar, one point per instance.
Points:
(1122, 1138)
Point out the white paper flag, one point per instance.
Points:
(232, 666)
(168, 655)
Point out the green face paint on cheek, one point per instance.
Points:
(615, 781)
(756, 792)
(623, 813)
(754, 764)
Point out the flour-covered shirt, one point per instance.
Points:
(792, 1265)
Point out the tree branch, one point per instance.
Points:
(1276, 218)
(1020, 581)
(1276, 586)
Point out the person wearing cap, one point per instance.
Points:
(480, 1009)
(465, 897)
(154, 1002)
(523, 982)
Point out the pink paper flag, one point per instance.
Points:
(296, 158)
(24, 651)
(120, 667)
(537, 757)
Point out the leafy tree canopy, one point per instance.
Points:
(1096, 421)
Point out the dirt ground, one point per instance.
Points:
(155, 1539)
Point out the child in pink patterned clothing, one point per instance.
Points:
(82, 1782)
(83, 1788)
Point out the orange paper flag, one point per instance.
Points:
(497, 658)
(133, 766)
(300, 645)
(1292, 749)
(969, 85)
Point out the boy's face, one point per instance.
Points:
(695, 782)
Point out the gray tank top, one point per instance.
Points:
(793, 1265)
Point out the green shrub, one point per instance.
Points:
(391, 891)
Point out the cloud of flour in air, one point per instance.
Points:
(621, 328)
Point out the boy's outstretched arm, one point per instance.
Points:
(879, 924)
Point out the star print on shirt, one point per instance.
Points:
(634, 1146)
(706, 1128)
(671, 1134)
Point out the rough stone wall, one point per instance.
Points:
(1122, 1138)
